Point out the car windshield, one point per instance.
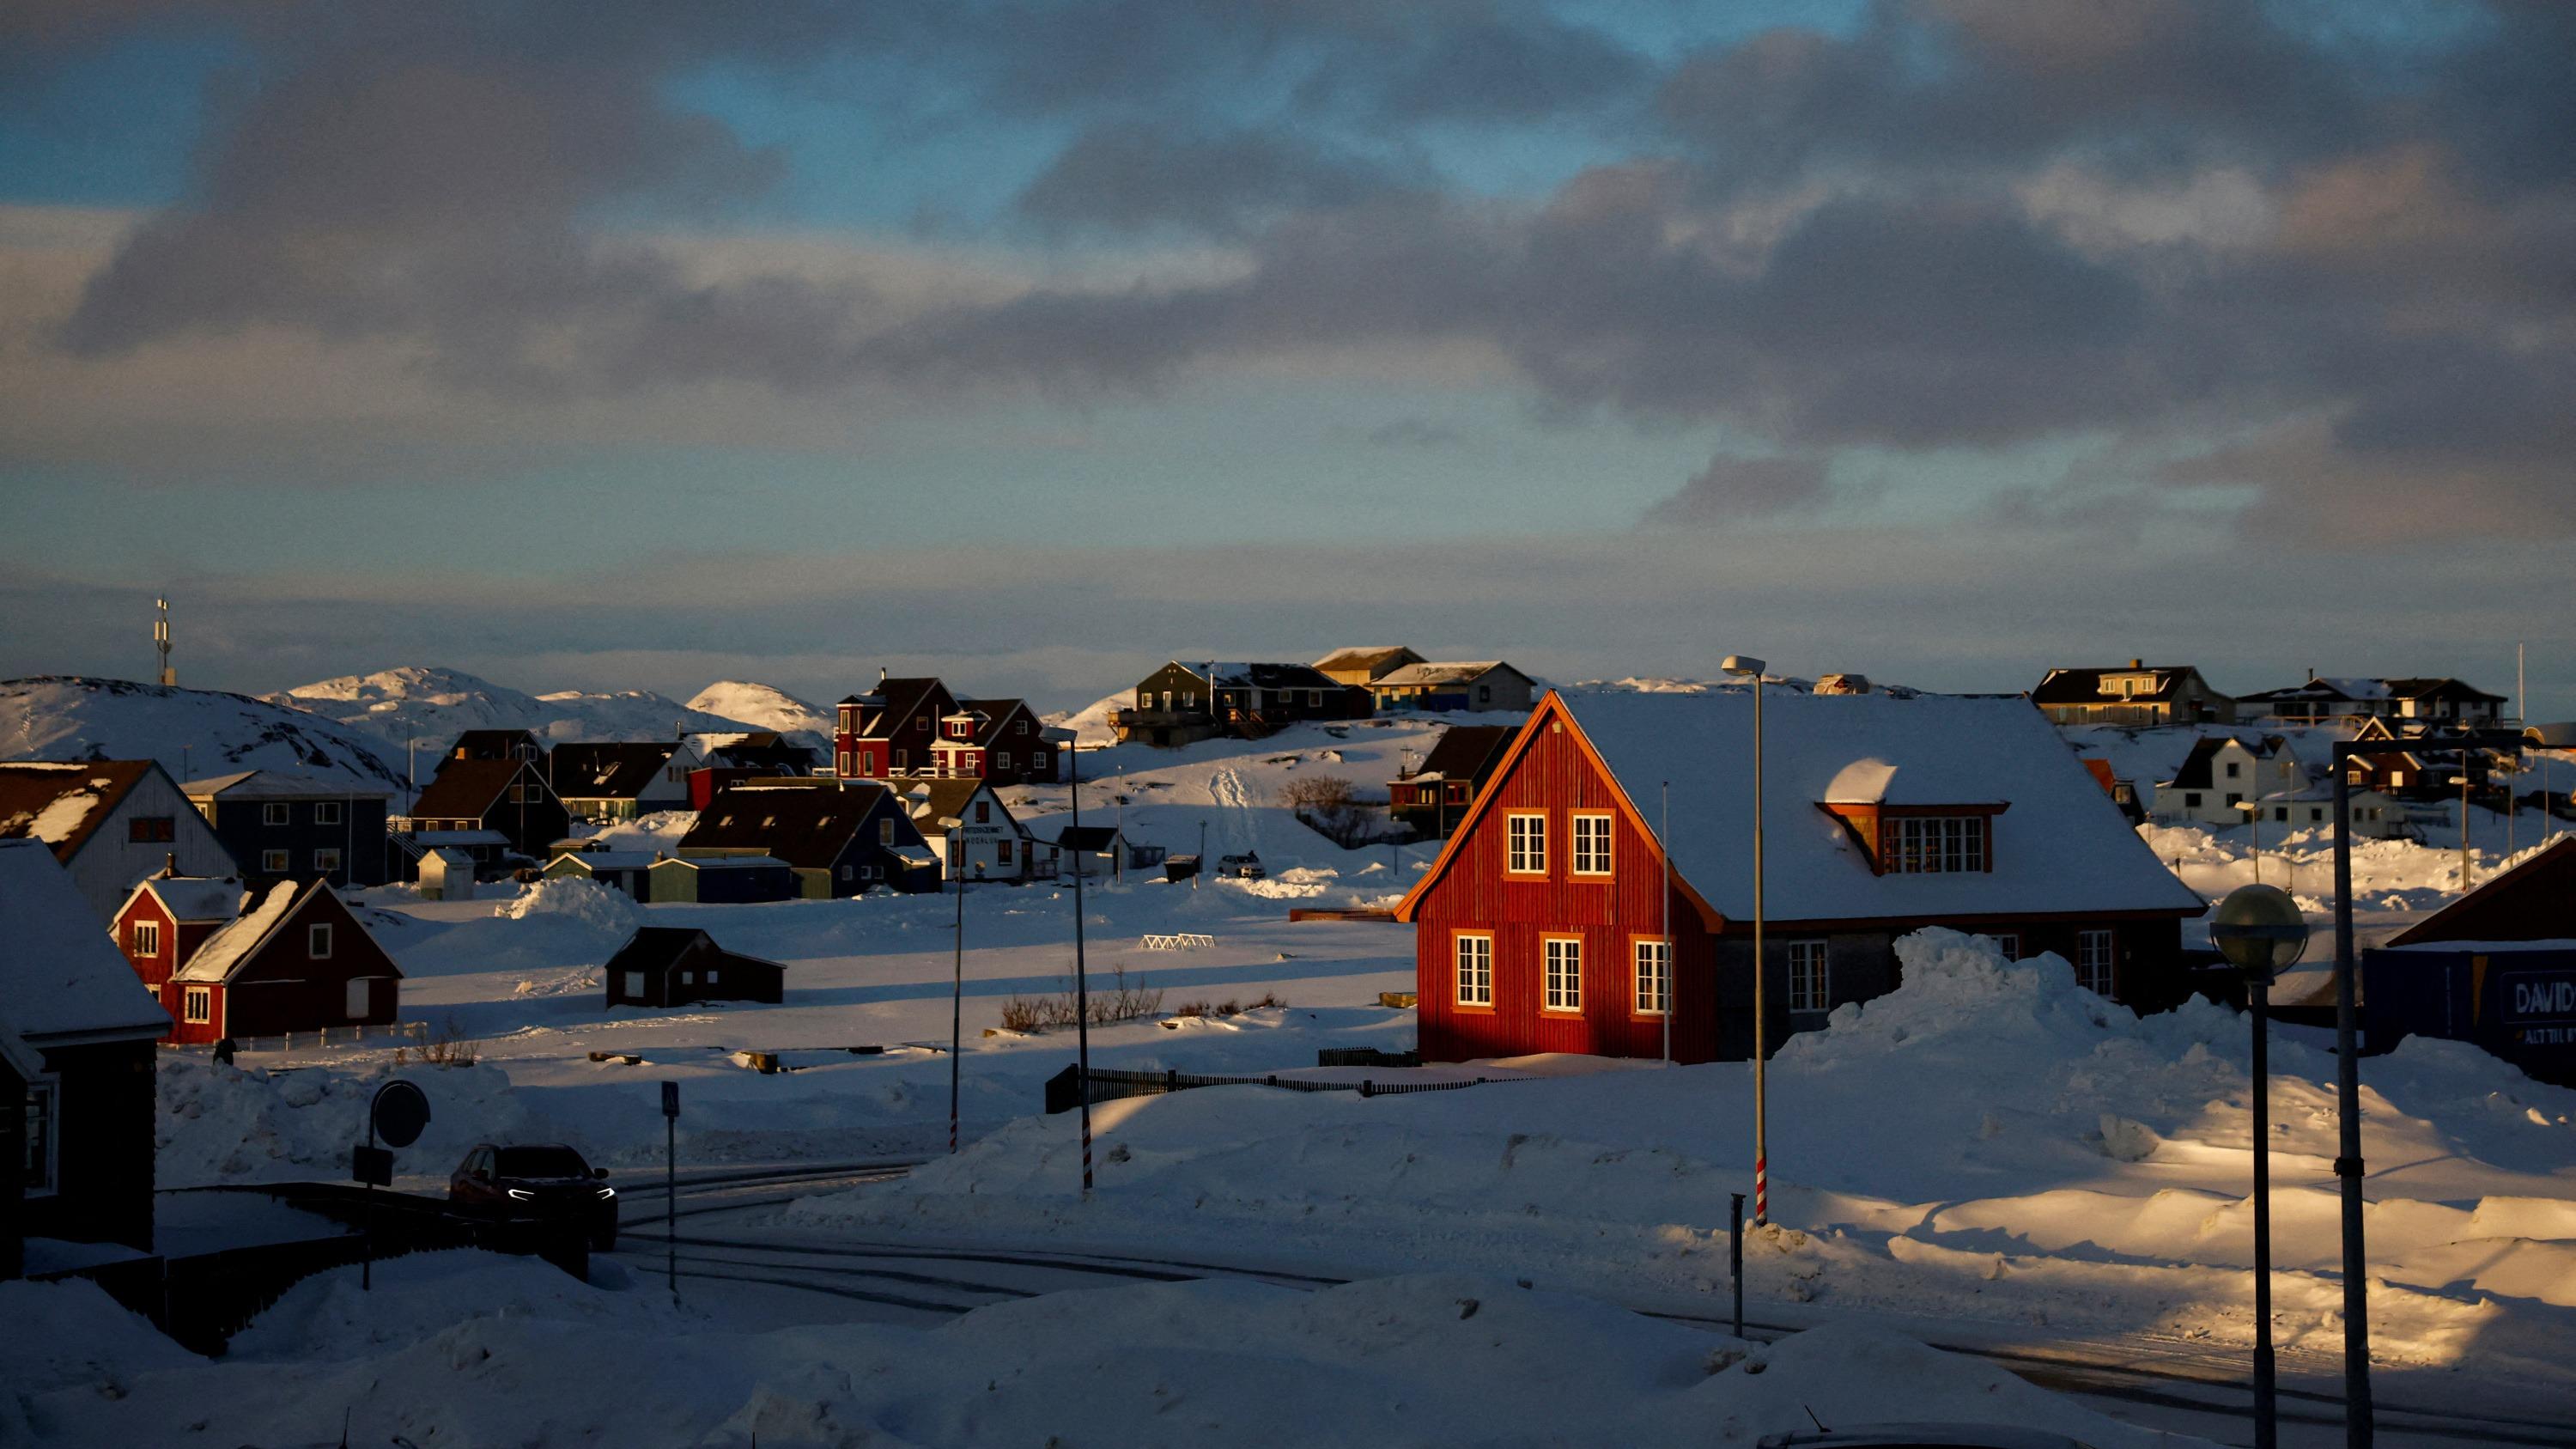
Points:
(542, 1162)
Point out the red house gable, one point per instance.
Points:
(298, 961)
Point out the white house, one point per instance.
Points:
(987, 842)
(110, 823)
(2222, 772)
(619, 780)
(1478, 685)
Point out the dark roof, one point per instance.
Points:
(608, 770)
(1276, 676)
(494, 744)
(939, 797)
(807, 826)
(2419, 688)
(994, 711)
(2084, 686)
(1467, 750)
(468, 789)
(2195, 773)
(29, 788)
(2534, 901)
(1086, 837)
(903, 699)
(654, 948)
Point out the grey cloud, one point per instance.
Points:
(1137, 176)
(1733, 490)
(1415, 433)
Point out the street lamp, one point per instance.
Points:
(955, 827)
(2358, 1419)
(2260, 931)
(1741, 666)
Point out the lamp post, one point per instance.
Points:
(2260, 931)
(1081, 986)
(2347, 1164)
(1740, 666)
(955, 827)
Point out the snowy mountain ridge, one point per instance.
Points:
(763, 705)
(193, 733)
(433, 705)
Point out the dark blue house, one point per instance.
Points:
(295, 827)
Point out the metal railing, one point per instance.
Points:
(328, 1036)
(1063, 1092)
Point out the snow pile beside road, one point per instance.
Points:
(220, 1124)
(457, 1348)
(602, 911)
(71, 1336)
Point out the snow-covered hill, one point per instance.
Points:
(435, 705)
(760, 704)
(193, 733)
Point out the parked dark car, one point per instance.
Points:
(535, 1184)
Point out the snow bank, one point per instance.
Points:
(573, 902)
(220, 1124)
(449, 1350)
(88, 1342)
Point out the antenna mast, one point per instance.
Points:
(161, 640)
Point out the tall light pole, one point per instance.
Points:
(956, 827)
(1081, 988)
(2260, 931)
(1740, 666)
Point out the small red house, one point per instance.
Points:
(888, 731)
(298, 960)
(1540, 928)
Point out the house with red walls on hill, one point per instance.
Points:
(292, 958)
(1543, 925)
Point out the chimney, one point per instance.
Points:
(170, 870)
(2312, 674)
(2137, 664)
(881, 677)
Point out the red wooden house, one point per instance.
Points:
(888, 732)
(296, 960)
(1541, 925)
(999, 741)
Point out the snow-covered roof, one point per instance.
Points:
(723, 862)
(278, 785)
(1424, 674)
(598, 860)
(61, 803)
(2059, 845)
(194, 897)
(62, 979)
(914, 855)
(229, 947)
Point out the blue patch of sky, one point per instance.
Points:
(112, 126)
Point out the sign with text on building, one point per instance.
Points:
(2540, 1006)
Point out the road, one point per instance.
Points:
(727, 1234)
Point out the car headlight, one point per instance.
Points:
(522, 1194)
(608, 1192)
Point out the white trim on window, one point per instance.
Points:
(2008, 943)
(273, 862)
(197, 1005)
(326, 860)
(1472, 969)
(1923, 844)
(1652, 986)
(326, 812)
(1811, 977)
(2095, 959)
(274, 813)
(317, 940)
(1592, 831)
(1525, 842)
(147, 938)
(1561, 974)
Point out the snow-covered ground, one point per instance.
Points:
(459, 1349)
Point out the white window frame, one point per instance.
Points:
(2097, 958)
(326, 859)
(1652, 984)
(1935, 844)
(1592, 858)
(2008, 943)
(1471, 968)
(1811, 976)
(275, 862)
(147, 938)
(1560, 975)
(326, 812)
(275, 813)
(1525, 842)
(197, 1005)
(44, 1145)
(317, 940)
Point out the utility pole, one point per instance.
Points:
(1664, 911)
(957, 998)
(1081, 988)
(1741, 666)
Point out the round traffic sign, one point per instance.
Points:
(399, 1111)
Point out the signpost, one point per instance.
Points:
(397, 1113)
(671, 1185)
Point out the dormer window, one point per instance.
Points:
(1926, 844)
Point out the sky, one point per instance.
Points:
(1033, 344)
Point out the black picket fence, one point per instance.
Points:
(1064, 1093)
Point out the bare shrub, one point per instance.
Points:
(1118, 1002)
(1200, 1008)
(1268, 998)
(449, 1047)
(1329, 806)
(1021, 1014)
